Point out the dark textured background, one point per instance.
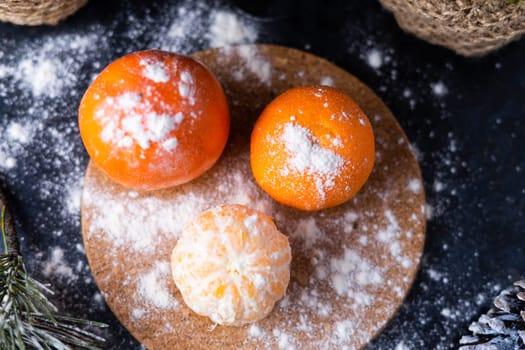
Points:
(471, 143)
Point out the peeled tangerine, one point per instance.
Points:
(232, 264)
(154, 119)
(312, 148)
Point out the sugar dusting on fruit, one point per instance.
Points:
(307, 156)
(143, 127)
(155, 71)
(138, 123)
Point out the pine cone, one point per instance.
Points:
(503, 326)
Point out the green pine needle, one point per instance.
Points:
(28, 320)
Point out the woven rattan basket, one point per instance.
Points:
(469, 27)
(36, 12)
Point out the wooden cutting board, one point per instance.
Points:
(352, 265)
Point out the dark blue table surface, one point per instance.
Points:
(470, 142)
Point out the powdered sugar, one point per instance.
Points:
(307, 156)
(201, 24)
(415, 185)
(56, 265)
(228, 29)
(155, 71)
(253, 63)
(327, 80)
(255, 331)
(308, 232)
(439, 88)
(40, 76)
(138, 123)
(374, 58)
(122, 218)
(284, 340)
(152, 289)
(19, 133)
(363, 273)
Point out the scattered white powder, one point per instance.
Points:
(19, 133)
(153, 290)
(228, 29)
(308, 232)
(439, 89)
(351, 268)
(433, 274)
(446, 313)
(122, 218)
(170, 144)
(138, 313)
(97, 297)
(56, 265)
(18, 136)
(73, 197)
(187, 87)
(41, 76)
(438, 186)
(138, 122)
(344, 330)
(254, 63)
(401, 346)
(201, 24)
(7, 162)
(255, 331)
(44, 70)
(307, 156)
(327, 80)
(374, 58)
(414, 185)
(284, 340)
(155, 70)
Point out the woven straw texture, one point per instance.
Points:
(36, 12)
(469, 27)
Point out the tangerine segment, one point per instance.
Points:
(154, 119)
(232, 264)
(312, 148)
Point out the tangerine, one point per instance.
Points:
(154, 119)
(312, 148)
(232, 264)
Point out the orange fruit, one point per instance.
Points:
(154, 119)
(312, 148)
(231, 264)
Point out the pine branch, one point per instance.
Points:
(28, 320)
(8, 228)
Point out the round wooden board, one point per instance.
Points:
(352, 265)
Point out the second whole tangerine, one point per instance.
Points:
(312, 148)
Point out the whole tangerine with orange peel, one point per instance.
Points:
(154, 119)
(312, 148)
(232, 264)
